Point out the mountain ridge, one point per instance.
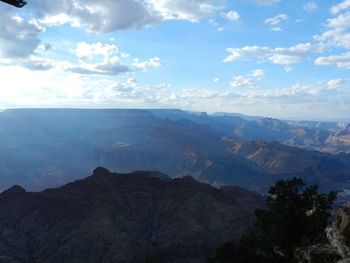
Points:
(48, 148)
(111, 217)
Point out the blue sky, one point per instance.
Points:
(284, 59)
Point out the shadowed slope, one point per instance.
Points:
(111, 217)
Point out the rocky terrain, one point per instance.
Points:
(331, 137)
(281, 160)
(110, 217)
(48, 148)
(337, 249)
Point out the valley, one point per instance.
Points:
(51, 147)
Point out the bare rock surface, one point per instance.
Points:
(323, 253)
(337, 240)
(337, 250)
(343, 221)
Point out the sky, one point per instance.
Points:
(275, 58)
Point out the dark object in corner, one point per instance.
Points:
(16, 3)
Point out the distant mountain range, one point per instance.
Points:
(43, 148)
(332, 137)
(110, 217)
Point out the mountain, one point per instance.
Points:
(111, 217)
(340, 139)
(48, 148)
(243, 116)
(317, 124)
(332, 137)
(330, 172)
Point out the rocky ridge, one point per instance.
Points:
(111, 217)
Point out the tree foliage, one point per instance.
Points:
(295, 215)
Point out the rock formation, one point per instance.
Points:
(337, 250)
(110, 217)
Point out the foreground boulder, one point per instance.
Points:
(110, 217)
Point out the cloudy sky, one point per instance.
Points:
(277, 58)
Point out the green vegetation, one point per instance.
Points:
(295, 216)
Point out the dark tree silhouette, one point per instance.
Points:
(16, 3)
(295, 216)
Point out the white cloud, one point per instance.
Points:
(301, 92)
(39, 88)
(336, 84)
(18, 37)
(324, 99)
(112, 15)
(280, 56)
(341, 61)
(273, 21)
(37, 63)
(340, 7)
(21, 37)
(31, 62)
(46, 82)
(194, 95)
(111, 69)
(313, 100)
(95, 16)
(286, 60)
(258, 73)
(338, 32)
(248, 81)
(233, 16)
(60, 19)
(310, 6)
(191, 10)
(130, 93)
(88, 51)
(98, 58)
(152, 63)
(242, 82)
(61, 89)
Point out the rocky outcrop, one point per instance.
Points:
(338, 248)
(322, 253)
(343, 221)
(110, 217)
(337, 240)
